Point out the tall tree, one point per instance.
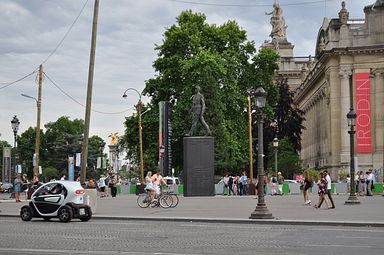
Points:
(288, 117)
(62, 138)
(224, 64)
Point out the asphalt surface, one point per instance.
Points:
(287, 209)
(134, 237)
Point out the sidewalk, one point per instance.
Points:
(288, 209)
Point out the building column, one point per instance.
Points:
(378, 83)
(344, 109)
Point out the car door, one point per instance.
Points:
(48, 198)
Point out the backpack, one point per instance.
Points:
(106, 181)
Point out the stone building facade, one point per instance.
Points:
(349, 54)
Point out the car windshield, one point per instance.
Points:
(52, 189)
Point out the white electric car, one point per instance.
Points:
(57, 199)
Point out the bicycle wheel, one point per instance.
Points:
(175, 200)
(165, 201)
(143, 200)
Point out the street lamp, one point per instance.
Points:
(275, 144)
(15, 127)
(138, 108)
(351, 117)
(37, 143)
(261, 211)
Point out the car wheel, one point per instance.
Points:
(65, 213)
(47, 218)
(26, 213)
(88, 214)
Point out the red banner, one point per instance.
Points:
(363, 112)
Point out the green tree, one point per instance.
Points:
(62, 138)
(26, 148)
(50, 173)
(288, 160)
(289, 118)
(224, 64)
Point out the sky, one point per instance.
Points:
(57, 34)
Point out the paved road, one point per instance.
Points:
(285, 209)
(163, 237)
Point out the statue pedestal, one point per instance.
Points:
(199, 160)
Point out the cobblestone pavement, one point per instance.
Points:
(288, 208)
(161, 237)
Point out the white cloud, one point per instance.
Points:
(127, 33)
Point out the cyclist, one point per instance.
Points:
(158, 180)
(149, 187)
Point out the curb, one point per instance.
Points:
(234, 221)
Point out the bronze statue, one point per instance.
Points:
(198, 108)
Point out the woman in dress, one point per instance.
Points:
(307, 182)
(149, 185)
(17, 187)
(25, 186)
(322, 183)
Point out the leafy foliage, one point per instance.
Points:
(224, 64)
(288, 161)
(289, 118)
(61, 139)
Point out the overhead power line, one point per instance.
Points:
(249, 5)
(77, 102)
(16, 81)
(7, 84)
(66, 34)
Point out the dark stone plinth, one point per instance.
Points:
(199, 159)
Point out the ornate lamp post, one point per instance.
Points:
(138, 108)
(15, 127)
(261, 211)
(275, 144)
(351, 117)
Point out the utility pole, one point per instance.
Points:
(84, 151)
(37, 145)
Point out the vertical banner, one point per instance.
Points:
(6, 164)
(71, 169)
(165, 138)
(363, 112)
(78, 159)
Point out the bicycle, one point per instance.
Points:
(175, 198)
(164, 200)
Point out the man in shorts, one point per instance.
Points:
(157, 180)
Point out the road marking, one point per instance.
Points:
(51, 252)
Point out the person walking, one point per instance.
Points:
(307, 181)
(273, 184)
(17, 184)
(102, 186)
(25, 186)
(369, 182)
(280, 182)
(243, 183)
(322, 184)
(112, 185)
(361, 183)
(329, 189)
(230, 185)
(225, 187)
